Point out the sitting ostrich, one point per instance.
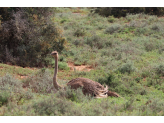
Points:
(88, 86)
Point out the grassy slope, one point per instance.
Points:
(111, 46)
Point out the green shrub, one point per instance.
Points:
(134, 24)
(140, 31)
(127, 68)
(138, 79)
(159, 70)
(63, 66)
(62, 58)
(152, 18)
(4, 97)
(149, 46)
(32, 36)
(63, 20)
(160, 51)
(111, 19)
(79, 62)
(78, 42)
(146, 73)
(95, 41)
(154, 82)
(128, 105)
(107, 80)
(52, 106)
(79, 32)
(101, 26)
(127, 30)
(80, 73)
(12, 90)
(113, 28)
(40, 82)
(157, 27)
(73, 95)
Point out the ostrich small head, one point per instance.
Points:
(54, 54)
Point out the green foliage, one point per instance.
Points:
(138, 79)
(40, 82)
(113, 28)
(111, 19)
(139, 82)
(78, 42)
(160, 70)
(79, 32)
(63, 66)
(123, 11)
(54, 106)
(127, 67)
(29, 36)
(4, 96)
(157, 27)
(128, 104)
(12, 90)
(127, 30)
(149, 46)
(146, 73)
(140, 31)
(107, 80)
(73, 95)
(95, 41)
(63, 20)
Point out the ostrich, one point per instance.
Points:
(88, 86)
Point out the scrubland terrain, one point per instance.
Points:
(124, 53)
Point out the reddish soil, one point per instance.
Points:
(70, 64)
(23, 77)
(79, 67)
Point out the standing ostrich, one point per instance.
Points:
(88, 86)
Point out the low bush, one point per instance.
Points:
(32, 36)
(127, 68)
(73, 95)
(63, 20)
(4, 97)
(53, 106)
(140, 31)
(149, 46)
(40, 82)
(113, 28)
(12, 90)
(95, 41)
(101, 26)
(79, 32)
(78, 42)
(63, 66)
(146, 73)
(159, 69)
(111, 19)
(157, 27)
(107, 80)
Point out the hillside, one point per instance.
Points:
(124, 53)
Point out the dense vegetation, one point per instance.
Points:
(124, 53)
(27, 35)
(123, 11)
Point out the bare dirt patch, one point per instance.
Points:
(20, 77)
(23, 77)
(79, 67)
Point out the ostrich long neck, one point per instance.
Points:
(56, 85)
